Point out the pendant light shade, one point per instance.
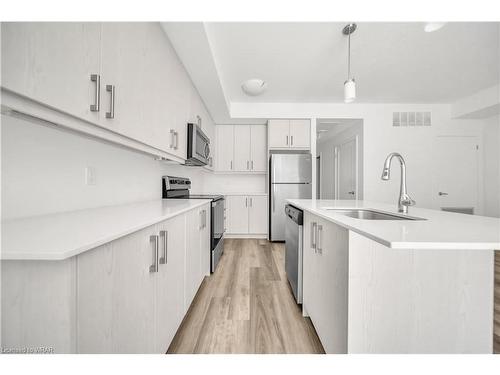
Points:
(349, 90)
(350, 84)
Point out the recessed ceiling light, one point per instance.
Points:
(433, 26)
(254, 86)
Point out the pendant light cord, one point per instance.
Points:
(349, 56)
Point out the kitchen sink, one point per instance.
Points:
(364, 214)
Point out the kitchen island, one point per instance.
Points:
(422, 285)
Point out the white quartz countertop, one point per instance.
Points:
(440, 230)
(63, 235)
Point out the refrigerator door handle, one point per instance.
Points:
(274, 198)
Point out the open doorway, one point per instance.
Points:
(339, 157)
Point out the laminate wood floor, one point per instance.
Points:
(246, 306)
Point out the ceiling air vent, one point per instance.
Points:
(411, 119)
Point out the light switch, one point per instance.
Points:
(90, 177)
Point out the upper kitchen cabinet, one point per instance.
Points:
(145, 88)
(241, 148)
(289, 134)
(52, 63)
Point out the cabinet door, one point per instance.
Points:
(242, 148)
(51, 62)
(151, 87)
(279, 133)
(258, 146)
(205, 239)
(116, 296)
(194, 223)
(170, 281)
(300, 133)
(257, 214)
(237, 217)
(225, 148)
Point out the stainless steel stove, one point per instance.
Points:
(178, 188)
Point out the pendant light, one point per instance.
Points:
(350, 84)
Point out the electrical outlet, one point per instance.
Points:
(90, 178)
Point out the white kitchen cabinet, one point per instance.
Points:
(241, 148)
(237, 214)
(300, 133)
(258, 144)
(169, 293)
(52, 63)
(116, 296)
(325, 280)
(246, 214)
(225, 148)
(289, 134)
(242, 151)
(257, 214)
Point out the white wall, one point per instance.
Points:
(416, 144)
(491, 152)
(326, 146)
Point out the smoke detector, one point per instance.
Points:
(254, 86)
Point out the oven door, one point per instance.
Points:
(198, 148)
(217, 221)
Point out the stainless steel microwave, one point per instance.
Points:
(198, 146)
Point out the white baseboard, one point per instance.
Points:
(258, 236)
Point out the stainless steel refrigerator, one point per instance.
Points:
(290, 178)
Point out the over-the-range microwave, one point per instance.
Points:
(198, 146)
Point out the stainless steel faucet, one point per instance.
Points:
(404, 199)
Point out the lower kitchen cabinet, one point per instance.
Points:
(325, 280)
(246, 214)
(127, 296)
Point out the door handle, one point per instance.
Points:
(154, 266)
(164, 259)
(442, 193)
(112, 91)
(287, 140)
(172, 136)
(320, 232)
(313, 235)
(291, 140)
(97, 99)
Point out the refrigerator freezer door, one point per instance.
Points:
(279, 194)
(291, 168)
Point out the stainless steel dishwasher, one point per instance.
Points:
(293, 249)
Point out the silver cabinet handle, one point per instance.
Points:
(205, 218)
(287, 140)
(154, 266)
(112, 91)
(231, 165)
(246, 202)
(200, 227)
(172, 136)
(97, 100)
(320, 232)
(248, 165)
(291, 140)
(351, 192)
(251, 202)
(442, 193)
(313, 235)
(252, 165)
(164, 259)
(176, 140)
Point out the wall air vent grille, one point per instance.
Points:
(411, 119)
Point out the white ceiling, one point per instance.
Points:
(307, 62)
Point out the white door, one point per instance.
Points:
(52, 63)
(225, 148)
(170, 281)
(457, 172)
(242, 148)
(237, 214)
(257, 214)
(258, 146)
(346, 174)
(279, 133)
(300, 133)
(194, 223)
